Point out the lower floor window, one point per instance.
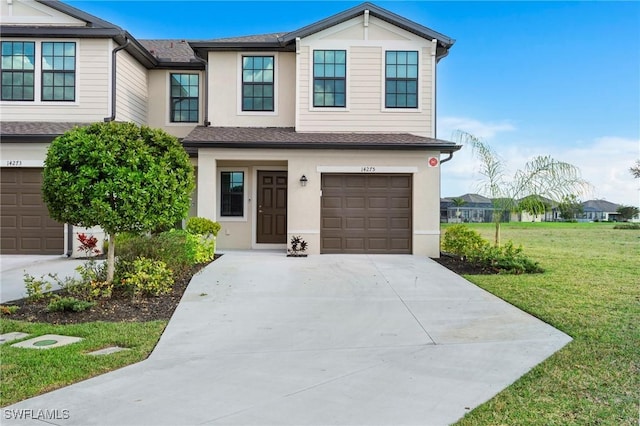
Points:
(232, 194)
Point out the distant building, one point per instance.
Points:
(600, 210)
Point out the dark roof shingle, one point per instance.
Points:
(287, 137)
(167, 50)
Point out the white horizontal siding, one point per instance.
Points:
(132, 96)
(365, 110)
(92, 89)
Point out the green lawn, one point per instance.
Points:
(591, 291)
(29, 372)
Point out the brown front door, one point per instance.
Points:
(272, 207)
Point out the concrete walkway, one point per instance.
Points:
(261, 339)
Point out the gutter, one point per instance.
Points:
(114, 78)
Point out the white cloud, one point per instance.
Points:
(448, 125)
(603, 161)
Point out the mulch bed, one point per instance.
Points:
(461, 266)
(120, 307)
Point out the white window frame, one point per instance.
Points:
(383, 85)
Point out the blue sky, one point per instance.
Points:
(531, 78)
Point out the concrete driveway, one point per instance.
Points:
(261, 339)
(14, 266)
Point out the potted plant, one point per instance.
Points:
(298, 247)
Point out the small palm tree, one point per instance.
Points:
(542, 176)
(458, 202)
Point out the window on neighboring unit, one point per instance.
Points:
(329, 78)
(232, 194)
(18, 63)
(401, 84)
(185, 89)
(59, 71)
(257, 83)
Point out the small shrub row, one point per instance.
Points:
(469, 245)
(627, 226)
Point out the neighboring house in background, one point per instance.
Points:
(474, 208)
(599, 210)
(327, 132)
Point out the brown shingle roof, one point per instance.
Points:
(258, 38)
(40, 128)
(169, 50)
(287, 137)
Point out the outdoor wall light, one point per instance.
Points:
(303, 180)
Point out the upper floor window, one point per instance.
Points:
(185, 89)
(232, 193)
(401, 83)
(18, 64)
(58, 71)
(257, 83)
(329, 78)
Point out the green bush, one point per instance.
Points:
(148, 277)
(179, 249)
(37, 288)
(68, 304)
(170, 247)
(8, 309)
(202, 226)
(463, 241)
(627, 226)
(470, 246)
(508, 259)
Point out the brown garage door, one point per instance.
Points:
(366, 213)
(25, 223)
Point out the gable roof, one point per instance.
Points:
(287, 137)
(286, 41)
(95, 27)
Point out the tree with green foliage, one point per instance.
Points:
(119, 176)
(628, 212)
(542, 176)
(534, 205)
(570, 207)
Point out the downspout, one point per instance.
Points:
(205, 121)
(113, 79)
(448, 158)
(69, 240)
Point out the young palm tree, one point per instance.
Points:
(542, 176)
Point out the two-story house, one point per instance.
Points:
(326, 132)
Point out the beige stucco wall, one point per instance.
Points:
(93, 59)
(160, 107)
(303, 216)
(365, 109)
(225, 84)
